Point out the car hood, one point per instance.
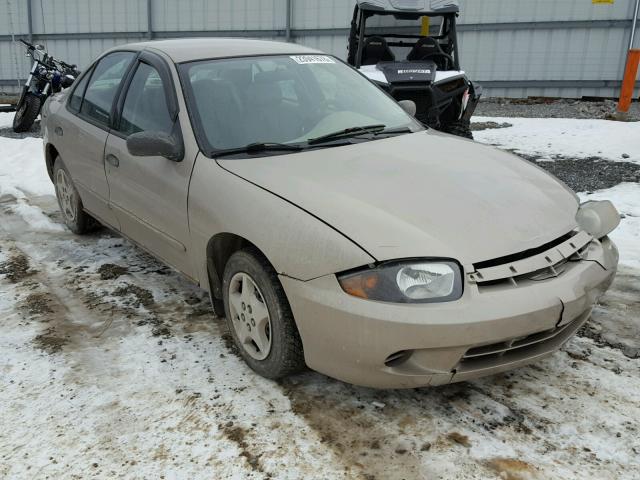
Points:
(425, 194)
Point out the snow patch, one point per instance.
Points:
(574, 138)
(6, 119)
(626, 198)
(22, 168)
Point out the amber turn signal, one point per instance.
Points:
(360, 285)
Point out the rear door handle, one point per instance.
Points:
(58, 131)
(113, 160)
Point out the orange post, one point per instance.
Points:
(629, 81)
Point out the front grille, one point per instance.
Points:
(527, 253)
(538, 264)
(499, 349)
(488, 356)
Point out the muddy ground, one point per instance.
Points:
(113, 366)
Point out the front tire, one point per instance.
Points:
(78, 221)
(26, 112)
(259, 316)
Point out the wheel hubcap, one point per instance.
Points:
(66, 196)
(250, 316)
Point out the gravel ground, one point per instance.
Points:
(587, 175)
(552, 108)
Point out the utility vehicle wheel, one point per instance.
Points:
(459, 128)
(74, 216)
(259, 316)
(26, 112)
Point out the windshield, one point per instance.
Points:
(284, 100)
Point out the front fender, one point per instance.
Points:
(296, 243)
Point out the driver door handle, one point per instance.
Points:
(112, 160)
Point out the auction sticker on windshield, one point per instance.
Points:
(306, 59)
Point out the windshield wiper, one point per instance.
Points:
(257, 148)
(394, 131)
(346, 132)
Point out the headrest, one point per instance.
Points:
(265, 89)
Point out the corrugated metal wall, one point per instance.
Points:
(517, 48)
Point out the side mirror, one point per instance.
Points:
(155, 144)
(408, 106)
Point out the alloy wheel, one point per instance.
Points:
(66, 196)
(250, 316)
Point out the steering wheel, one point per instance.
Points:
(446, 56)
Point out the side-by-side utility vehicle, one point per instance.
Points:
(424, 68)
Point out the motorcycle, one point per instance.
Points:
(48, 75)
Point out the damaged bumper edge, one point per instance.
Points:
(386, 345)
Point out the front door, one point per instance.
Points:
(149, 194)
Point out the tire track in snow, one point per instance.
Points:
(198, 390)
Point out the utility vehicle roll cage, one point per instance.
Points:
(364, 10)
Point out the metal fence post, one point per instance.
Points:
(288, 21)
(149, 21)
(30, 21)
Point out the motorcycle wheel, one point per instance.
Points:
(26, 112)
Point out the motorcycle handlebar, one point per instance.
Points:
(26, 43)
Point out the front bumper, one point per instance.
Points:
(483, 333)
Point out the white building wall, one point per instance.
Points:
(517, 48)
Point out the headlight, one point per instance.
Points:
(426, 281)
(598, 218)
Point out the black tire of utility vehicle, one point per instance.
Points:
(26, 113)
(286, 355)
(81, 222)
(460, 128)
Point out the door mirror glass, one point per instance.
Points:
(408, 106)
(155, 144)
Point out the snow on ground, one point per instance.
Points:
(575, 138)
(113, 366)
(626, 198)
(6, 119)
(23, 174)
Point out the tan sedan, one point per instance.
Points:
(331, 229)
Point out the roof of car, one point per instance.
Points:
(189, 49)
(410, 6)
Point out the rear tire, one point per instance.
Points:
(26, 113)
(460, 128)
(259, 316)
(73, 214)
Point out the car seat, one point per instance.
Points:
(221, 112)
(271, 118)
(428, 48)
(376, 50)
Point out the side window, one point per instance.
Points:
(145, 106)
(103, 86)
(78, 93)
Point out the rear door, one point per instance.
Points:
(149, 194)
(82, 130)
